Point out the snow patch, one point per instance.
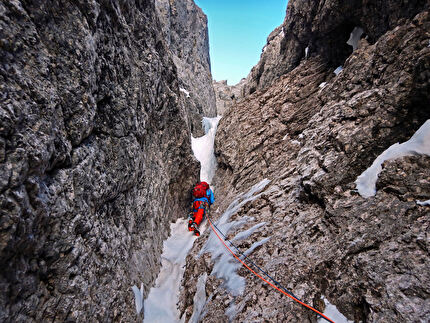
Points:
(355, 37)
(306, 52)
(338, 70)
(230, 312)
(138, 297)
(424, 203)
(203, 149)
(323, 84)
(199, 299)
(187, 94)
(254, 246)
(160, 306)
(419, 144)
(225, 266)
(333, 313)
(247, 233)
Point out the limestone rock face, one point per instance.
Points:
(95, 157)
(185, 30)
(324, 27)
(312, 133)
(227, 95)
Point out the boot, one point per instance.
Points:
(196, 233)
(191, 225)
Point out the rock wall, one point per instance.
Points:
(312, 133)
(186, 33)
(95, 157)
(227, 95)
(324, 26)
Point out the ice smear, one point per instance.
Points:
(199, 299)
(424, 203)
(231, 311)
(332, 312)
(203, 149)
(160, 306)
(355, 37)
(187, 94)
(338, 70)
(247, 233)
(419, 144)
(138, 297)
(254, 246)
(225, 266)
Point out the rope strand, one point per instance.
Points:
(284, 291)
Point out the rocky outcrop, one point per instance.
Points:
(227, 95)
(322, 28)
(95, 157)
(312, 133)
(186, 33)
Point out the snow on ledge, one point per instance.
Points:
(424, 203)
(187, 94)
(419, 144)
(355, 37)
(338, 70)
(332, 313)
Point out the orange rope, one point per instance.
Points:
(283, 292)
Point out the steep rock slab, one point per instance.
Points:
(312, 133)
(186, 32)
(94, 157)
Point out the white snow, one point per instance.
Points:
(338, 70)
(199, 299)
(355, 37)
(323, 84)
(424, 203)
(332, 312)
(247, 233)
(185, 92)
(160, 306)
(203, 149)
(225, 266)
(306, 52)
(254, 246)
(419, 144)
(138, 297)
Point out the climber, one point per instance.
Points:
(203, 197)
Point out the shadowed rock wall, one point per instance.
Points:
(186, 32)
(95, 157)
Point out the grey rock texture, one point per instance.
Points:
(227, 95)
(95, 157)
(186, 33)
(369, 257)
(324, 26)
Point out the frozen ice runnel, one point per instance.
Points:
(203, 149)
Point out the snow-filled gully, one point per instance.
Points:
(161, 303)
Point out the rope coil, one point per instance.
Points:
(283, 290)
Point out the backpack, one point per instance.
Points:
(200, 189)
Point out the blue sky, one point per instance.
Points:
(238, 30)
